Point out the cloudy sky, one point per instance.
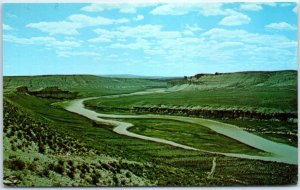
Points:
(148, 39)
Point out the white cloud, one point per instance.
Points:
(271, 4)
(77, 53)
(280, 26)
(251, 7)
(6, 27)
(93, 8)
(139, 17)
(206, 9)
(217, 45)
(147, 31)
(99, 39)
(284, 4)
(213, 9)
(171, 9)
(191, 29)
(73, 23)
(62, 27)
(108, 34)
(84, 20)
(219, 34)
(259, 6)
(130, 8)
(140, 31)
(235, 19)
(187, 32)
(138, 44)
(43, 41)
(257, 48)
(11, 15)
(220, 46)
(295, 9)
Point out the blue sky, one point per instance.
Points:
(161, 39)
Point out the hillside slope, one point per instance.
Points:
(45, 145)
(36, 154)
(266, 91)
(88, 85)
(260, 102)
(272, 79)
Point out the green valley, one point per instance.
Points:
(45, 143)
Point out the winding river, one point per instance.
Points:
(279, 152)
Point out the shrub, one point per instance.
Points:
(59, 169)
(32, 167)
(128, 174)
(82, 175)
(20, 135)
(17, 164)
(115, 180)
(71, 174)
(13, 148)
(61, 162)
(70, 163)
(95, 179)
(51, 166)
(46, 173)
(12, 157)
(42, 149)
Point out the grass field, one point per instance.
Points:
(266, 99)
(190, 134)
(274, 90)
(107, 158)
(86, 85)
(266, 92)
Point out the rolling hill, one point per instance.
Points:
(268, 91)
(51, 146)
(87, 85)
(252, 79)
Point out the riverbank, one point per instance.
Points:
(281, 152)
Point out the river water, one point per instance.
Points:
(279, 152)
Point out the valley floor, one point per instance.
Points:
(159, 164)
(47, 145)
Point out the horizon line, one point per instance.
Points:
(133, 75)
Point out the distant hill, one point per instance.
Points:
(112, 84)
(85, 84)
(243, 94)
(239, 80)
(138, 76)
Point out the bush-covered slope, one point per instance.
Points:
(37, 155)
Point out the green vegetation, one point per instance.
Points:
(189, 134)
(37, 154)
(278, 131)
(45, 145)
(270, 92)
(86, 85)
(261, 102)
(49, 92)
(168, 165)
(284, 100)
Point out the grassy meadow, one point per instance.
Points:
(271, 92)
(45, 145)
